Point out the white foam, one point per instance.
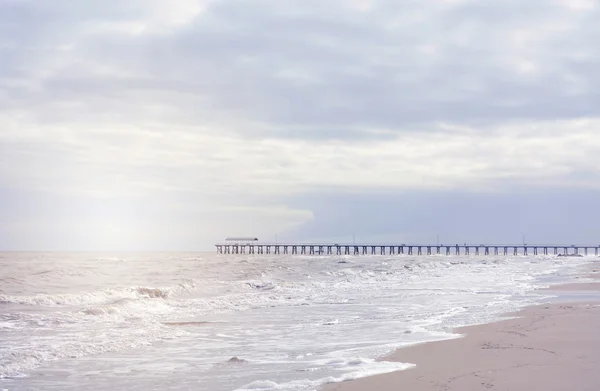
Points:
(8, 325)
(261, 385)
(354, 369)
(132, 319)
(18, 361)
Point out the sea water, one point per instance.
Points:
(202, 321)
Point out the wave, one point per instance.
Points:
(154, 293)
(19, 361)
(262, 285)
(356, 368)
(107, 296)
(187, 323)
(138, 312)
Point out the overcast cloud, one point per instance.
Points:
(139, 124)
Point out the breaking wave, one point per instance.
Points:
(112, 320)
(106, 296)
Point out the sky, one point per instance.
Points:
(154, 125)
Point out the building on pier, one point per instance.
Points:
(241, 240)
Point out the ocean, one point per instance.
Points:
(202, 321)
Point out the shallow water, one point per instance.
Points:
(201, 321)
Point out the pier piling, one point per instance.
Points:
(402, 249)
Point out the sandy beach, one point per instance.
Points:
(548, 347)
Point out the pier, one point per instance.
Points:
(406, 249)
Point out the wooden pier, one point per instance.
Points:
(406, 249)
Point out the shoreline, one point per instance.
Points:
(553, 345)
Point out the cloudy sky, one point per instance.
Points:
(154, 125)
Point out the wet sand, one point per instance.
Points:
(548, 347)
(575, 287)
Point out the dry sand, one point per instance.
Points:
(549, 347)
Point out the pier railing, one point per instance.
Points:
(407, 249)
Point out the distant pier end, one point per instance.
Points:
(251, 246)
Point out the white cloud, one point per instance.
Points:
(579, 5)
(242, 103)
(128, 160)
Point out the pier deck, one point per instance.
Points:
(408, 249)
